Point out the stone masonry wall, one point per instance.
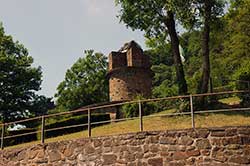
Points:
(129, 73)
(127, 83)
(205, 147)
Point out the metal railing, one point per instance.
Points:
(242, 82)
(140, 116)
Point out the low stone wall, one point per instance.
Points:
(206, 147)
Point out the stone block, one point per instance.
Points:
(202, 133)
(185, 140)
(109, 159)
(180, 155)
(193, 153)
(231, 140)
(244, 131)
(97, 142)
(205, 152)
(54, 156)
(152, 139)
(216, 141)
(89, 149)
(135, 149)
(154, 148)
(129, 157)
(149, 155)
(107, 143)
(203, 144)
(176, 163)
(240, 159)
(246, 150)
(231, 132)
(246, 140)
(155, 161)
(218, 134)
(233, 147)
(167, 140)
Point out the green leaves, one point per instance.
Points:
(85, 82)
(146, 15)
(18, 79)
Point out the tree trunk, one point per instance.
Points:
(203, 88)
(170, 24)
(204, 81)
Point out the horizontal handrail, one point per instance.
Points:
(127, 102)
(222, 110)
(24, 120)
(95, 108)
(132, 118)
(124, 119)
(116, 120)
(171, 114)
(18, 135)
(221, 93)
(66, 127)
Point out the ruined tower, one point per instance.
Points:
(129, 73)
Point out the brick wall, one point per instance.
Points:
(205, 147)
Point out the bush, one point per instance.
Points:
(132, 110)
(243, 74)
(68, 121)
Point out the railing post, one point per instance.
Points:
(89, 123)
(192, 111)
(2, 136)
(140, 116)
(42, 130)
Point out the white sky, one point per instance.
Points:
(56, 32)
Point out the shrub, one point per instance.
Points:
(243, 74)
(132, 110)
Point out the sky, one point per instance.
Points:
(56, 32)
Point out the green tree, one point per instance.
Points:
(40, 105)
(237, 36)
(85, 82)
(164, 80)
(18, 79)
(208, 11)
(157, 17)
(159, 51)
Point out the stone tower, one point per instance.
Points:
(129, 73)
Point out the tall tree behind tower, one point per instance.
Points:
(156, 17)
(208, 10)
(203, 85)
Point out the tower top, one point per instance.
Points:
(129, 55)
(129, 45)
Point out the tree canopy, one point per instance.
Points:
(18, 79)
(157, 18)
(85, 82)
(237, 35)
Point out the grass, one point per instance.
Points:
(236, 118)
(230, 100)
